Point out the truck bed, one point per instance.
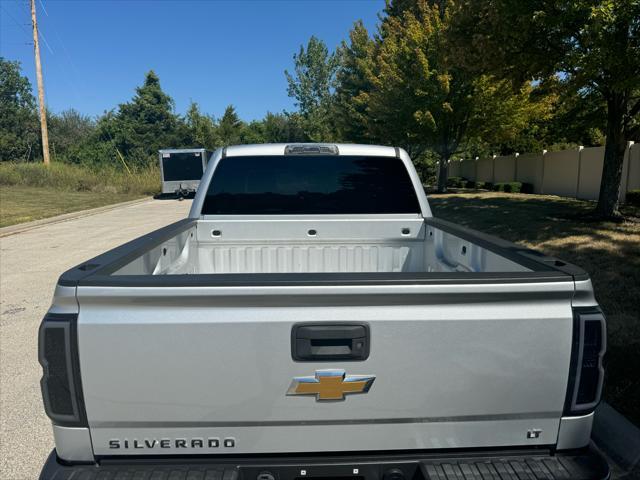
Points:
(383, 249)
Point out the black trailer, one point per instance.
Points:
(181, 169)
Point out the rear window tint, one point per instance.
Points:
(288, 185)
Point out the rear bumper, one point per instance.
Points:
(585, 464)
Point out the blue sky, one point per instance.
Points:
(211, 51)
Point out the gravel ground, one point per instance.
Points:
(30, 263)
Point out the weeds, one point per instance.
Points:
(71, 178)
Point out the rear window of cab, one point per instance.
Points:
(313, 185)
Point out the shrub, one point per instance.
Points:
(455, 182)
(470, 184)
(508, 187)
(526, 188)
(633, 198)
(484, 186)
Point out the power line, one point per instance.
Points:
(43, 9)
(72, 83)
(41, 35)
(20, 25)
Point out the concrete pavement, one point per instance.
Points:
(30, 263)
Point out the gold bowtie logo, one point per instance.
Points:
(331, 384)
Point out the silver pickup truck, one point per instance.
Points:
(311, 319)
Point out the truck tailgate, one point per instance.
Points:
(206, 370)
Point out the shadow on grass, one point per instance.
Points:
(608, 251)
(541, 218)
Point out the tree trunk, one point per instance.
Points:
(613, 157)
(443, 169)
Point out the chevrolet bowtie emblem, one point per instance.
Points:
(331, 384)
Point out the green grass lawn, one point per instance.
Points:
(609, 251)
(22, 204)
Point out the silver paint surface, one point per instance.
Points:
(73, 444)
(574, 432)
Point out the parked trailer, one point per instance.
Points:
(182, 169)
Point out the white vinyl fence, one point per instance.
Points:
(568, 173)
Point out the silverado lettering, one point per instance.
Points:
(170, 443)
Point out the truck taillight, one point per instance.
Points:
(587, 373)
(60, 383)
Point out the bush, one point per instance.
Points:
(470, 184)
(633, 198)
(484, 186)
(508, 187)
(526, 188)
(67, 177)
(455, 182)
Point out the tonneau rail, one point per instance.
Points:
(99, 271)
(110, 261)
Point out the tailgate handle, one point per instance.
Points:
(330, 342)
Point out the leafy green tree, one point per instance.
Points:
(418, 101)
(144, 125)
(417, 96)
(230, 127)
(283, 128)
(580, 116)
(202, 129)
(312, 86)
(19, 137)
(252, 132)
(506, 120)
(353, 82)
(593, 44)
(67, 131)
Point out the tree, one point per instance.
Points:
(505, 120)
(144, 125)
(252, 132)
(355, 69)
(230, 127)
(18, 119)
(202, 129)
(418, 100)
(418, 97)
(580, 116)
(68, 130)
(312, 86)
(283, 128)
(593, 44)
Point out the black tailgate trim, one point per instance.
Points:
(319, 279)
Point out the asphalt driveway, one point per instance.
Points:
(30, 263)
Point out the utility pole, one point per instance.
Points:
(43, 111)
